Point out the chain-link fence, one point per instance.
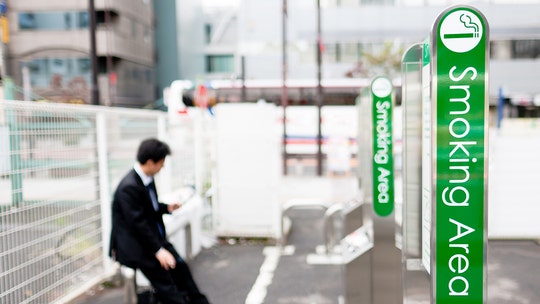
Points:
(59, 165)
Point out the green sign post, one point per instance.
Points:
(459, 50)
(383, 164)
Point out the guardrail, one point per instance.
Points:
(348, 217)
(329, 233)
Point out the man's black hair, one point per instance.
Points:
(153, 149)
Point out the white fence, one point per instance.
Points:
(59, 165)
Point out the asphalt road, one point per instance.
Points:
(251, 271)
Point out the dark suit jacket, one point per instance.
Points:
(135, 236)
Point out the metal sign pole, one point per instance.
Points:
(385, 256)
(415, 281)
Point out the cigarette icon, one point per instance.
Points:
(461, 35)
(467, 22)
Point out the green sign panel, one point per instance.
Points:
(459, 104)
(383, 164)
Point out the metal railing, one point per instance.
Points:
(296, 204)
(59, 165)
(339, 219)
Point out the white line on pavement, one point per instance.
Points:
(266, 273)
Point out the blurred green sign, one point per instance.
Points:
(383, 164)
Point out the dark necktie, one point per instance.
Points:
(153, 197)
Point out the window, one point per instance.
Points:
(45, 71)
(53, 20)
(350, 52)
(515, 49)
(331, 52)
(67, 21)
(83, 65)
(220, 63)
(147, 35)
(83, 20)
(27, 21)
(207, 33)
(525, 48)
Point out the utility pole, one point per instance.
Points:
(93, 56)
(243, 72)
(319, 89)
(284, 97)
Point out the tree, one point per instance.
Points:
(386, 62)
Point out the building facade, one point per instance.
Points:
(179, 41)
(48, 52)
(363, 38)
(143, 45)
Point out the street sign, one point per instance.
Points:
(460, 61)
(383, 164)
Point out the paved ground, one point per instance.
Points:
(513, 272)
(228, 272)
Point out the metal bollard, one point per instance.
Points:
(329, 233)
(130, 285)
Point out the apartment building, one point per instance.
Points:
(48, 52)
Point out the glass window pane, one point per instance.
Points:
(27, 21)
(53, 20)
(83, 20)
(349, 52)
(526, 48)
(220, 63)
(331, 52)
(58, 72)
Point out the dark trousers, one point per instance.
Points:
(174, 286)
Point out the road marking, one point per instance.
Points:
(266, 273)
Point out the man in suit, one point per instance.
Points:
(138, 237)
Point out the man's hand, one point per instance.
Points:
(173, 206)
(166, 259)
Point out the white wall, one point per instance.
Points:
(513, 200)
